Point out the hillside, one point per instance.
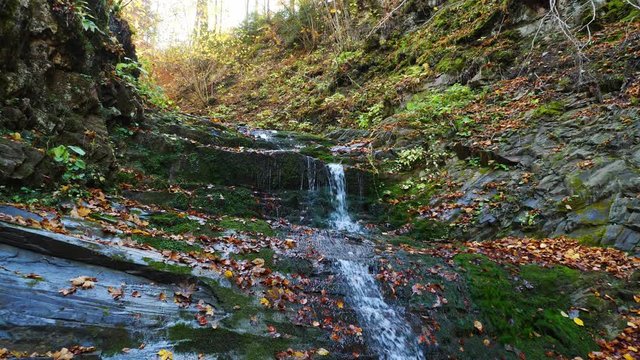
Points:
(394, 179)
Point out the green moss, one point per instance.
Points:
(104, 217)
(580, 194)
(217, 341)
(174, 223)
(595, 214)
(162, 266)
(549, 110)
(589, 235)
(527, 316)
(451, 65)
(110, 340)
(227, 297)
(425, 230)
(166, 244)
(619, 10)
(318, 152)
(293, 266)
(247, 225)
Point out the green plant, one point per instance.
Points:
(473, 161)
(463, 126)
(431, 105)
(82, 10)
(409, 157)
(372, 116)
(136, 76)
(70, 158)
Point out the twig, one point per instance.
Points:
(386, 18)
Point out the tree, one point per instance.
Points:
(202, 18)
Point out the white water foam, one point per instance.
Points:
(390, 337)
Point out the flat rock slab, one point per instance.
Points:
(34, 316)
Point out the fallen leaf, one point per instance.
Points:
(478, 325)
(69, 291)
(322, 352)
(165, 355)
(258, 262)
(84, 282)
(578, 321)
(228, 274)
(63, 354)
(116, 294)
(80, 212)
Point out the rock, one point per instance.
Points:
(621, 237)
(50, 69)
(18, 161)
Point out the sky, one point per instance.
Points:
(177, 18)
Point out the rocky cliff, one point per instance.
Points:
(57, 87)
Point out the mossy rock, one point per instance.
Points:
(171, 268)
(525, 311)
(223, 341)
(549, 110)
(159, 243)
(252, 225)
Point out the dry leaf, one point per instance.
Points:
(165, 355)
(478, 325)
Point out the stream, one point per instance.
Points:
(385, 328)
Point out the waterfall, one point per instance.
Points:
(388, 333)
(340, 218)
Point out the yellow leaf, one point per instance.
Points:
(322, 352)
(564, 314)
(478, 325)
(16, 136)
(265, 302)
(228, 274)
(340, 304)
(578, 321)
(165, 355)
(80, 212)
(627, 357)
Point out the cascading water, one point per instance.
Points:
(389, 335)
(340, 218)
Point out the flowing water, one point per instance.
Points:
(385, 328)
